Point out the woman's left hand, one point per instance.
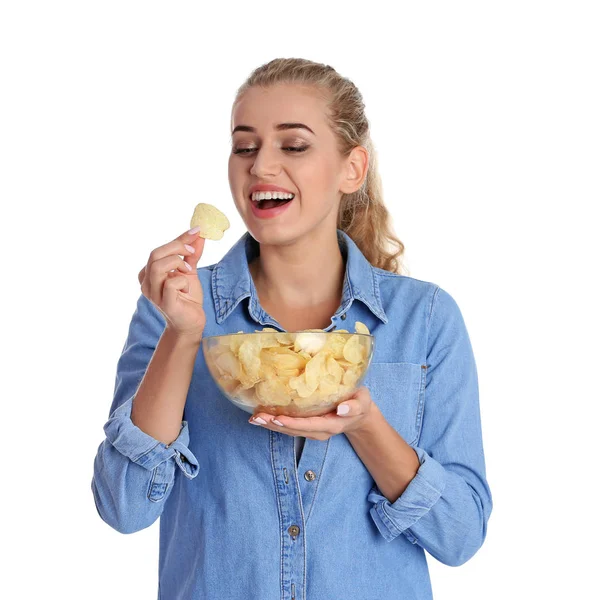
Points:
(361, 410)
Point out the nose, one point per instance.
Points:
(265, 163)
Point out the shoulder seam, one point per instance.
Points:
(432, 303)
(385, 273)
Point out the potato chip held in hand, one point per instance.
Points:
(211, 221)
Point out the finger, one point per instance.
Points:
(192, 258)
(265, 417)
(270, 421)
(302, 424)
(328, 430)
(185, 290)
(172, 286)
(176, 246)
(272, 426)
(348, 408)
(158, 273)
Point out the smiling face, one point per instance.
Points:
(303, 160)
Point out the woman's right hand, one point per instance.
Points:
(174, 288)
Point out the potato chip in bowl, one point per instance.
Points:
(299, 374)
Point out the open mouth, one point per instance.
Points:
(266, 204)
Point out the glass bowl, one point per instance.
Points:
(299, 374)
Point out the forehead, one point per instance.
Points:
(263, 108)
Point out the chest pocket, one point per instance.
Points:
(398, 390)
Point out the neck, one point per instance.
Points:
(305, 273)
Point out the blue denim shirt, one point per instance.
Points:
(241, 518)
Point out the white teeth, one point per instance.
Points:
(257, 196)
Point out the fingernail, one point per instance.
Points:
(343, 409)
(189, 249)
(259, 420)
(277, 423)
(194, 230)
(188, 266)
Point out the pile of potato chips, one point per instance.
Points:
(308, 368)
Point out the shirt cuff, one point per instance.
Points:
(427, 486)
(143, 449)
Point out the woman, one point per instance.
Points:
(338, 506)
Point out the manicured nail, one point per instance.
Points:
(189, 249)
(277, 423)
(194, 230)
(343, 409)
(188, 266)
(259, 420)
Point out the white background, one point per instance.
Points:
(114, 123)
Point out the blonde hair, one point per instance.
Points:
(363, 215)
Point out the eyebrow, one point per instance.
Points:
(279, 127)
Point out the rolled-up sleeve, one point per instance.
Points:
(133, 472)
(445, 508)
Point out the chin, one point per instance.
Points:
(274, 235)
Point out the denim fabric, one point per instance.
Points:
(229, 494)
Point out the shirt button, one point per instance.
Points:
(343, 316)
(294, 530)
(309, 475)
(182, 458)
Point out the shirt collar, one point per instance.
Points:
(232, 282)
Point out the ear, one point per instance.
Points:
(355, 171)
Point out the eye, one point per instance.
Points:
(289, 148)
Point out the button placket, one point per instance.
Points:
(291, 511)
